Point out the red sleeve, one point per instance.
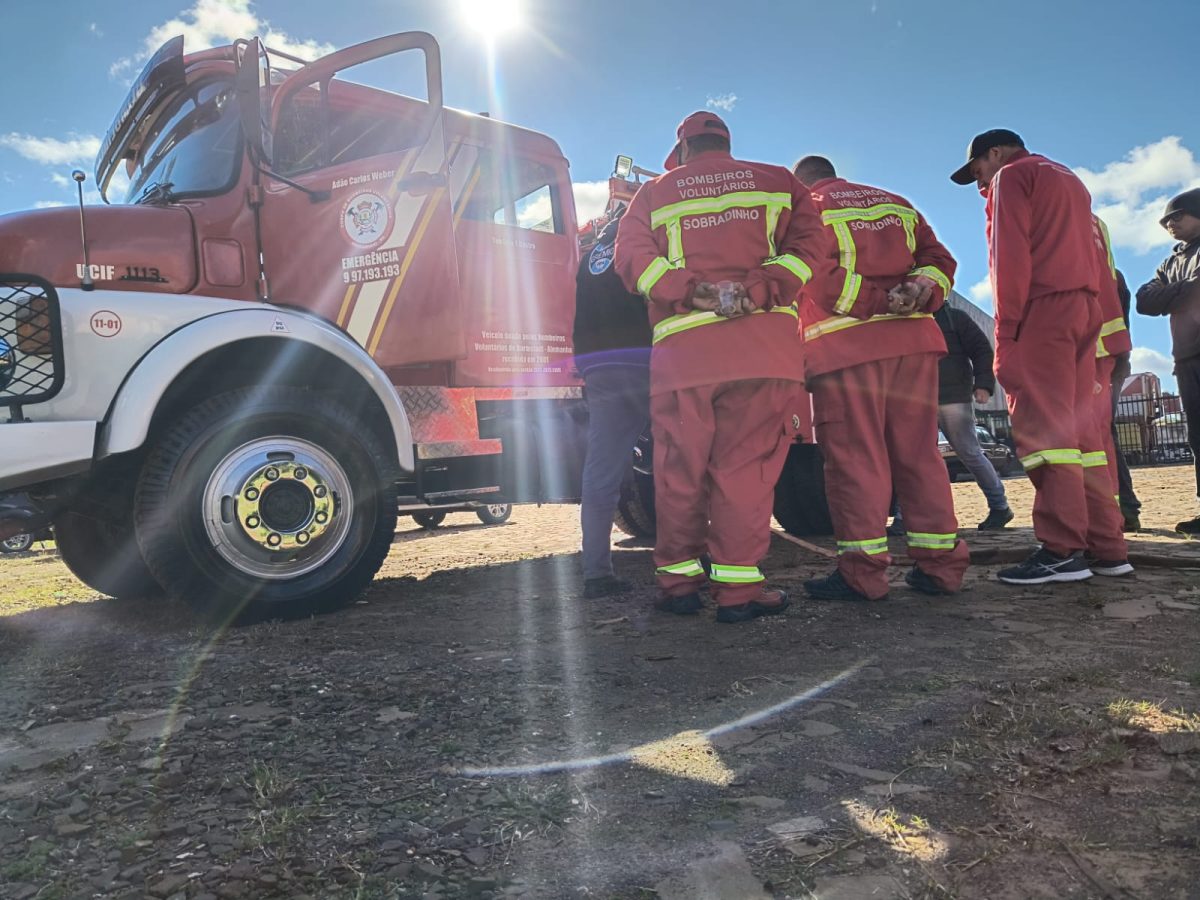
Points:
(1011, 259)
(932, 260)
(803, 259)
(642, 266)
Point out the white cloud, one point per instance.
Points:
(77, 148)
(591, 197)
(1129, 195)
(95, 29)
(209, 23)
(48, 204)
(1144, 359)
(981, 294)
(723, 102)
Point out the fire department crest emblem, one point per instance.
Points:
(365, 218)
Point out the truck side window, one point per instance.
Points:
(519, 193)
(317, 128)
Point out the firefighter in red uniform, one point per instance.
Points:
(871, 353)
(1043, 258)
(721, 249)
(1114, 341)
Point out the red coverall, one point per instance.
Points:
(874, 380)
(1045, 279)
(1114, 340)
(723, 392)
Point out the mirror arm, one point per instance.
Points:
(313, 196)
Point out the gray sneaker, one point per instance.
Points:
(1042, 566)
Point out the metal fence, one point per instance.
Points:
(1151, 431)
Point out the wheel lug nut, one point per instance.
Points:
(274, 539)
(251, 493)
(302, 537)
(252, 522)
(271, 474)
(321, 518)
(300, 474)
(320, 491)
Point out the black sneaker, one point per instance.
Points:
(1110, 568)
(732, 615)
(1043, 566)
(1130, 521)
(920, 581)
(1191, 527)
(687, 605)
(996, 519)
(834, 587)
(605, 586)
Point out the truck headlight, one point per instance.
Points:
(8, 363)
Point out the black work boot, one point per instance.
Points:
(919, 580)
(770, 603)
(834, 587)
(685, 605)
(605, 586)
(1191, 527)
(996, 519)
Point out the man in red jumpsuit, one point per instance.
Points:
(726, 368)
(871, 353)
(1043, 258)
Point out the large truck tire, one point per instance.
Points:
(266, 502)
(800, 503)
(96, 540)
(635, 506)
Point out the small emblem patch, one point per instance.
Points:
(366, 218)
(601, 258)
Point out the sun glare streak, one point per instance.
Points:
(492, 19)
(677, 755)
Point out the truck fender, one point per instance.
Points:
(128, 422)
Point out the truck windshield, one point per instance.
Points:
(195, 146)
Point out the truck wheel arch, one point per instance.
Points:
(242, 347)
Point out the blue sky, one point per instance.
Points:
(891, 90)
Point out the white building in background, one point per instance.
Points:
(987, 325)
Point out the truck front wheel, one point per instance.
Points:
(266, 502)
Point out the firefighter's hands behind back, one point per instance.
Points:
(707, 297)
(910, 296)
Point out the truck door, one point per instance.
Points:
(357, 226)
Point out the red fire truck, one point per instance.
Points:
(319, 303)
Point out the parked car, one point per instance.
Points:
(19, 543)
(489, 514)
(1170, 439)
(1002, 456)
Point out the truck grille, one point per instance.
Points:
(31, 347)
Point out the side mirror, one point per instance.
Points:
(253, 79)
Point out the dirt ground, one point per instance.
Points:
(474, 728)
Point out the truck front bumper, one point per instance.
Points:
(33, 452)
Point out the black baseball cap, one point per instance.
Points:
(1187, 202)
(981, 144)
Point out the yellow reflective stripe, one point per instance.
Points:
(675, 244)
(847, 259)
(687, 567)
(1112, 263)
(774, 211)
(1095, 458)
(870, 547)
(928, 541)
(649, 278)
(736, 574)
(940, 277)
(1053, 458)
(840, 323)
(687, 321)
(906, 214)
(793, 264)
(740, 199)
(1112, 326)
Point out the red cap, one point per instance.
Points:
(698, 123)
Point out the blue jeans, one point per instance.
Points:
(957, 422)
(618, 399)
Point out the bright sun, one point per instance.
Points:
(492, 18)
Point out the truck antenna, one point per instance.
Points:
(85, 282)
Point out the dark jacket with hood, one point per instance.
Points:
(967, 364)
(611, 324)
(1175, 291)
